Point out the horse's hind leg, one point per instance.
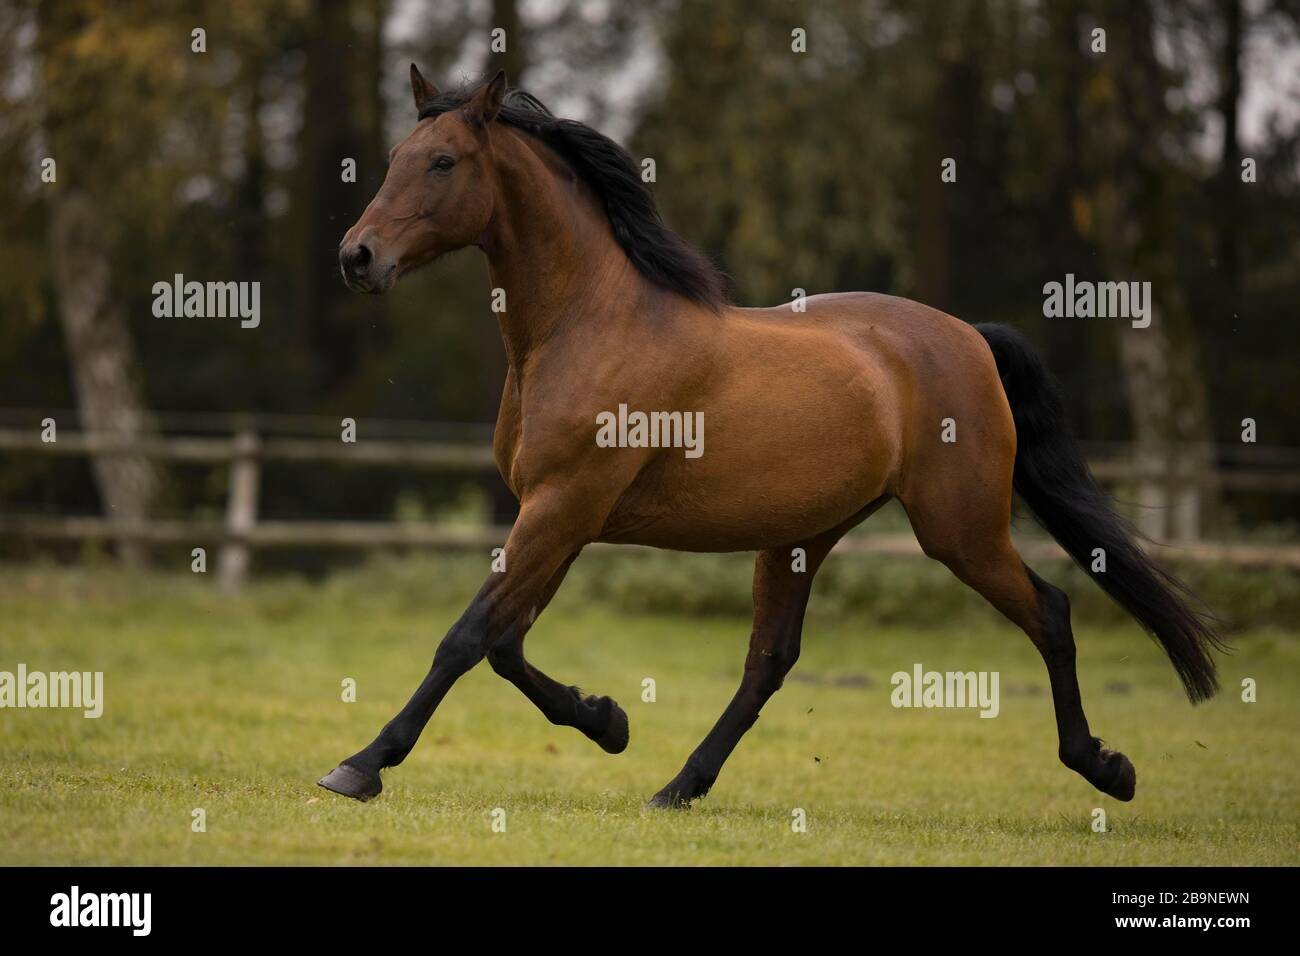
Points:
(975, 543)
(600, 718)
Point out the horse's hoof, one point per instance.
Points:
(681, 790)
(669, 799)
(614, 739)
(1124, 783)
(351, 782)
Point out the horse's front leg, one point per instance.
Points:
(599, 718)
(546, 533)
(780, 599)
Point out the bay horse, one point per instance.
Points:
(815, 418)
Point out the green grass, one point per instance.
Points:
(234, 706)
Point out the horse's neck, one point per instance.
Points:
(550, 249)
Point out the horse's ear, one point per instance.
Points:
(486, 101)
(422, 88)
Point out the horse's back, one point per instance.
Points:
(875, 320)
(931, 357)
(942, 385)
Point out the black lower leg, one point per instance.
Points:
(1107, 770)
(781, 588)
(599, 718)
(550, 531)
(780, 598)
(358, 775)
(764, 674)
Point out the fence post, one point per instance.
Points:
(241, 513)
(1152, 464)
(1194, 462)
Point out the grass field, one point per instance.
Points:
(234, 706)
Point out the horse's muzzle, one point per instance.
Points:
(361, 271)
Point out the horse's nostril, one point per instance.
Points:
(356, 261)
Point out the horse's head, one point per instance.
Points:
(438, 195)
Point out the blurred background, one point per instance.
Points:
(818, 170)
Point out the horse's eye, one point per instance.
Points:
(442, 164)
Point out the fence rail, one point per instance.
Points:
(242, 532)
(436, 455)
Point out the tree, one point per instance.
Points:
(1138, 196)
(100, 350)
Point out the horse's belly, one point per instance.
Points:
(751, 501)
(705, 532)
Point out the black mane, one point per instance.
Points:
(656, 251)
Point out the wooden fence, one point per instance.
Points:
(242, 532)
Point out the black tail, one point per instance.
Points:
(1053, 479)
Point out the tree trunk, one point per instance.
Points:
(100, 351)
(1230, 156)
(339, 123)
(932, 238)
(102, 356)
(1138, 221)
